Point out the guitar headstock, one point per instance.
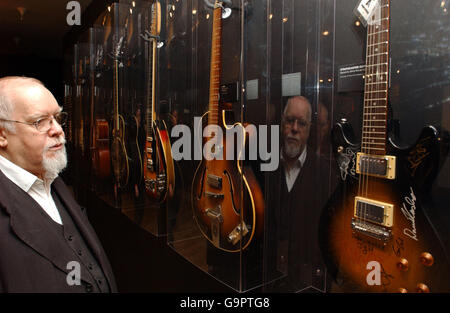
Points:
(155, 27)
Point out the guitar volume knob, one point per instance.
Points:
(403, 265)
(426, 259)
(402, 290)
(422, 288)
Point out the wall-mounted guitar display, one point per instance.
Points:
(245, 185)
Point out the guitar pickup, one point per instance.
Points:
(374, 165)
(214, 181)
(149, 138)
(214, 195)
(238, 233)
(149, 150)
(374, 211)
(150, 164)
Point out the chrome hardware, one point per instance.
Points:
(238, 233)
(374, 231)
(380, 166)
(214, 195)
(214, 181)
(374, 211)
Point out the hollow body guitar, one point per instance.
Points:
(227, 201)
(119, 158)
(159, 170)
(374, 233)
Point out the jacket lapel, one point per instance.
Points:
(30, 223)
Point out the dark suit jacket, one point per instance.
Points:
(293, 218)
(31, 260)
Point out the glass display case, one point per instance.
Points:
(280, 145)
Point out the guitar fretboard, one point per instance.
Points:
(376, 82)
(151, 68)
(216, 66)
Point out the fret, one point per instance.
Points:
(371, 114)
(382, 53)
(379, 32)
(380, 20)
(380, 82)
(372, 144)
(369, 148)
(375, 74)
(375, 91)
(377, 133)
(371, 138)
(384, 63)
(374, 126)
(375, 99)
(379, 43)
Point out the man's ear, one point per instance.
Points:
(3, 139)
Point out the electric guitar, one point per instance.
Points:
(119, 158)
(133, 121)
(374, 234)
(227, 202)
(159, 173)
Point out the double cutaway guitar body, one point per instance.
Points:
(227, 201)
(379, 238)
(159, 171)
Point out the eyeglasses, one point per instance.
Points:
(44, 124)
(290, 121)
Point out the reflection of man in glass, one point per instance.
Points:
(295, 125)
(298, 191)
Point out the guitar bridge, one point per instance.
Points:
(214, 181)
(373, 165)
(379, 233)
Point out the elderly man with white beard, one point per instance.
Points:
(298, 191)
(46, 241)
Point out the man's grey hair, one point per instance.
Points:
(7, 85)
(299, 98)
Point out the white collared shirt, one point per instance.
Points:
(32, 185)
(292, 173)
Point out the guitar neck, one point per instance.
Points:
(376, 82)
(155, 27)
(116, 95)
(216, 65)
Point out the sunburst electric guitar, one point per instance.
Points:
(227, 201)
(159, 173)
(374, 233)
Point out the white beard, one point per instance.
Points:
(54, 165)
(291, 151)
